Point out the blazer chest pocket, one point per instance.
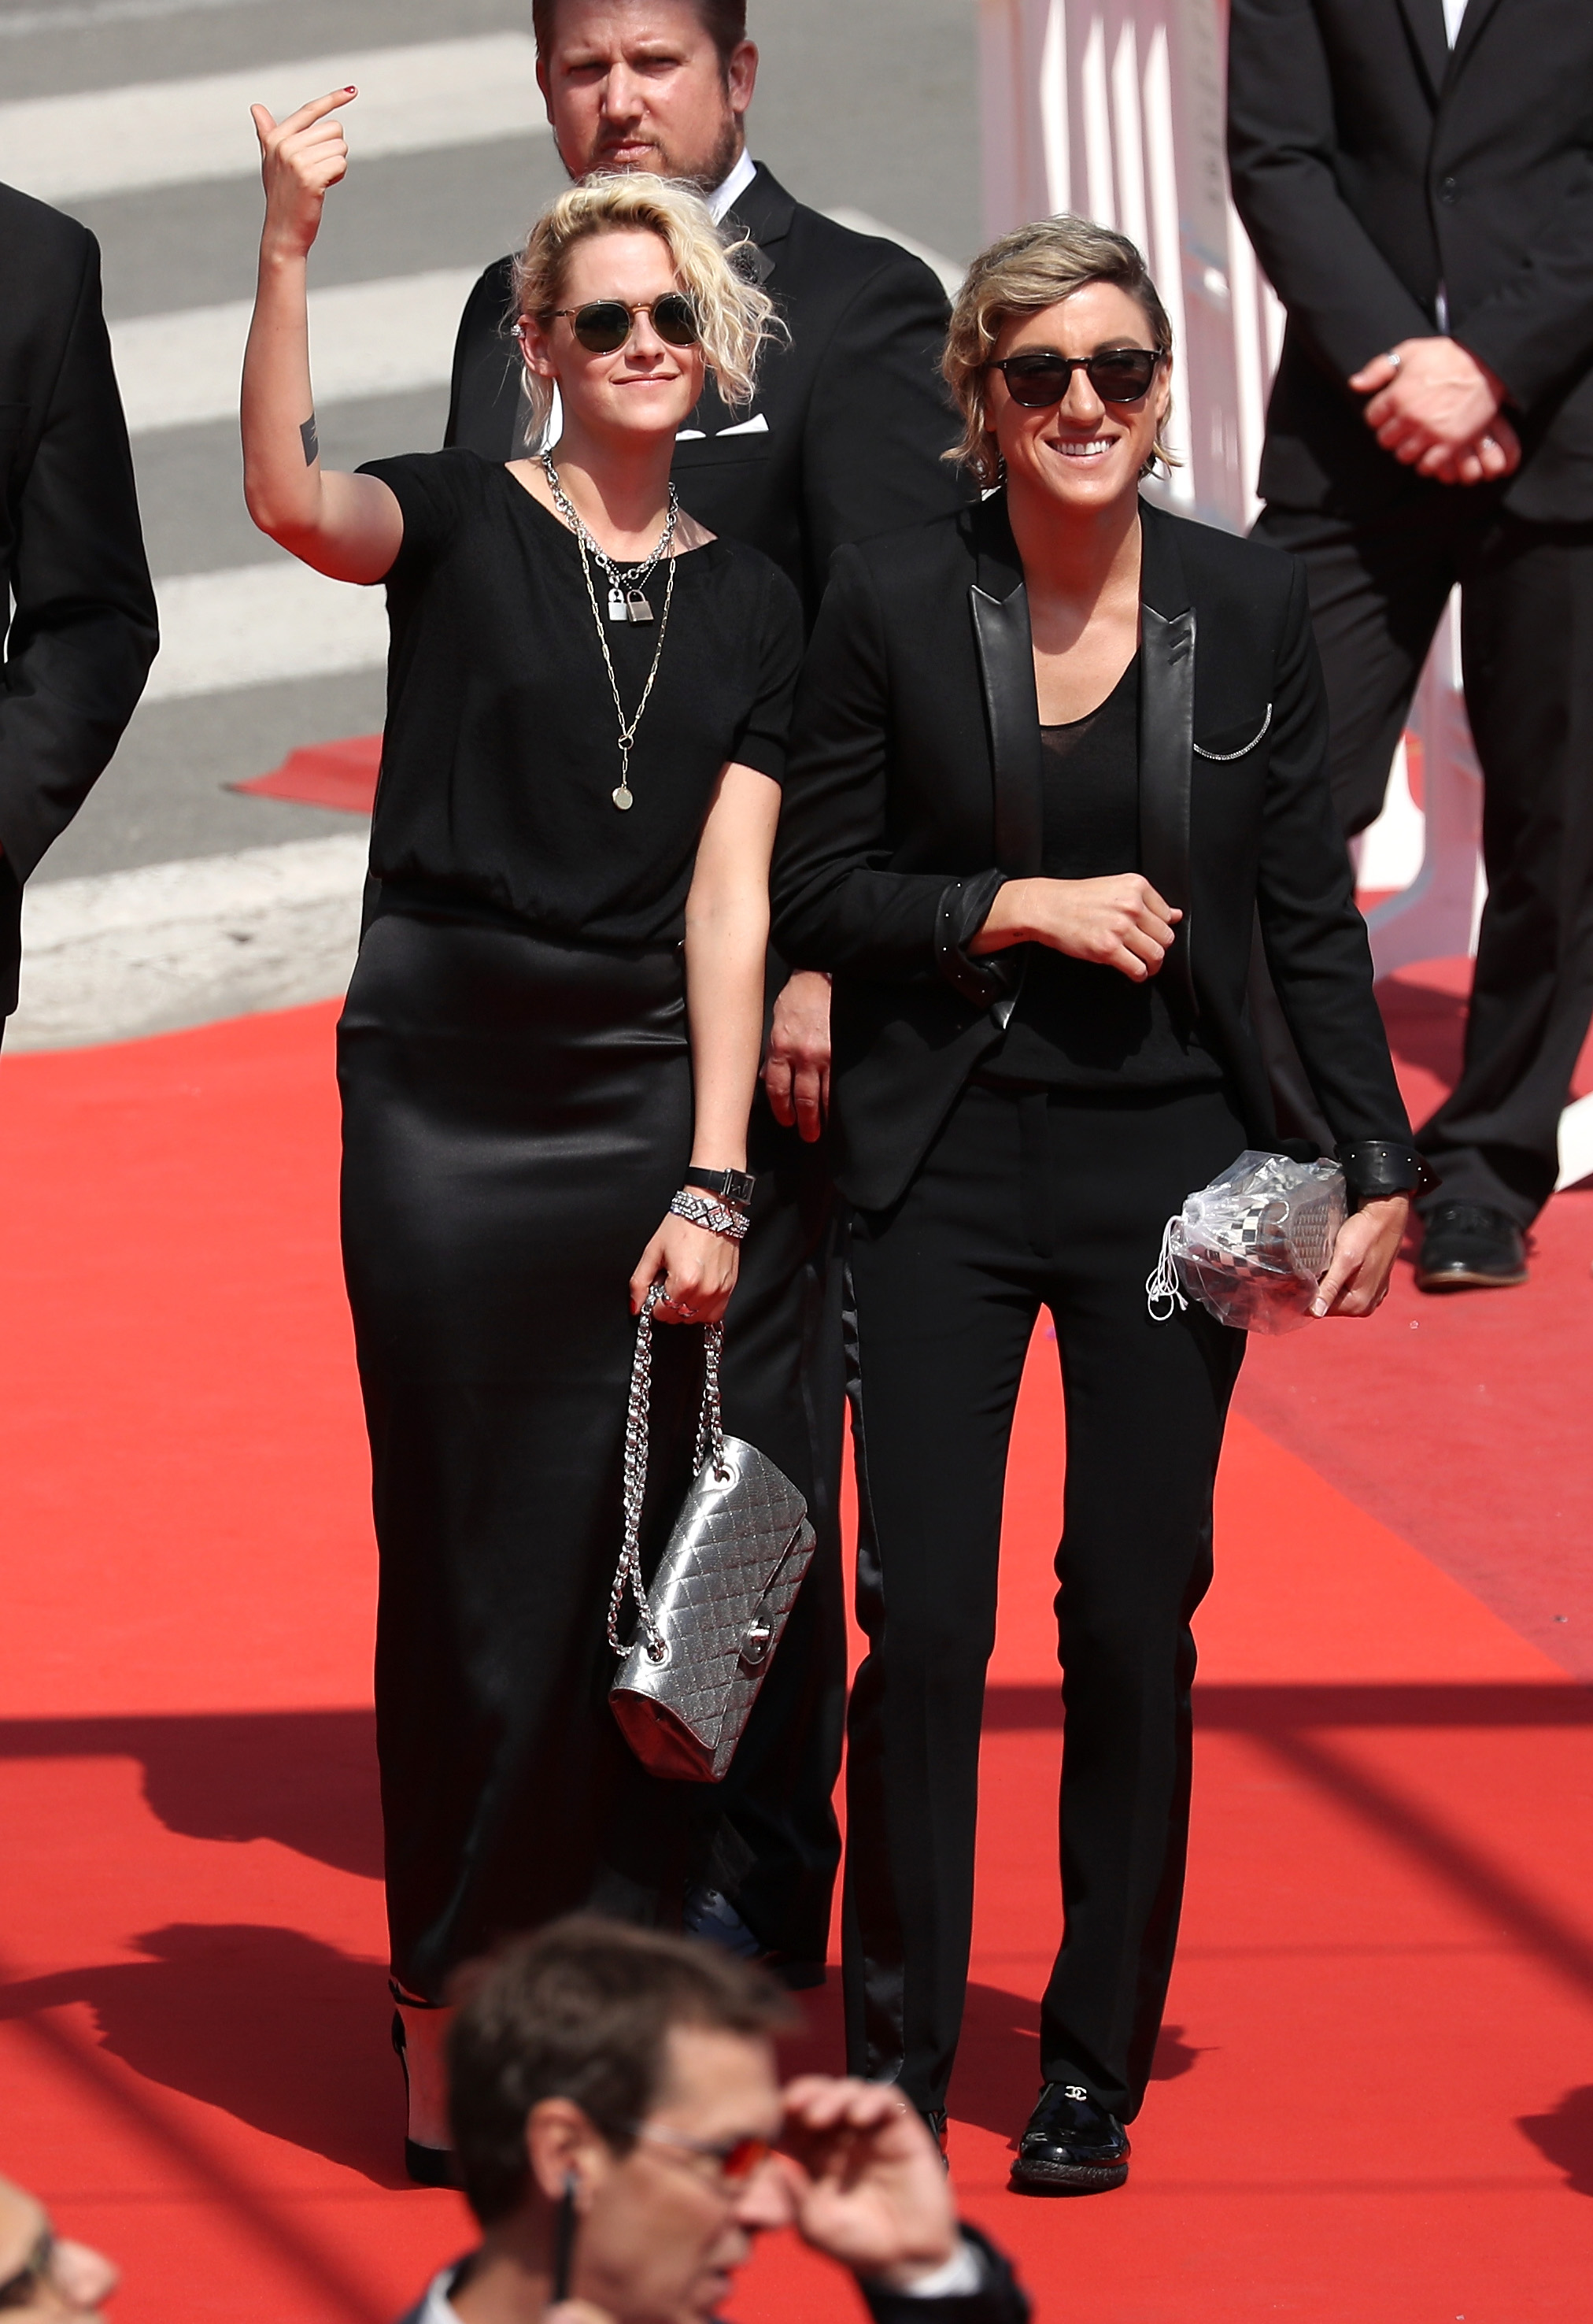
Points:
(726, 449)
(1230, 742)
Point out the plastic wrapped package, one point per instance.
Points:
(1253, 1245)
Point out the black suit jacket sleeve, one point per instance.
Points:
(483, 392)
(83, 630)
(1340, 291)
(837, 904)
(879, 419)
(1535, 330)
(1000, 2300)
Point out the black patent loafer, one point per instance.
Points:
(1471, 1247)
(1072, 2146)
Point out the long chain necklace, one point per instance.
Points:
(622, 796)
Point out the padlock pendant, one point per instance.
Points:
(637, 607)
(618, 609)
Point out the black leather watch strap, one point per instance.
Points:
(729, 1185)
(1377, 1166)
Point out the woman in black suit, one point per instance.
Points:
(1054, 754)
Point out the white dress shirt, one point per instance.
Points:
(1453, 10)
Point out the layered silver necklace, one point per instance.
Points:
(627, 603)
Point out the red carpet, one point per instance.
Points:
(1375, 2100)
(325, 774)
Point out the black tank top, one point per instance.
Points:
(1077, 1025)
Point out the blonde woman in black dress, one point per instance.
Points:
(553, 1028)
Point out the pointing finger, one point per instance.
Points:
(316, 110)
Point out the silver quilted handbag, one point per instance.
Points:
(706, 1632)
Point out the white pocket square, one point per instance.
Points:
(757, 425)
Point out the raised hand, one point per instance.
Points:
(866, 2180)
(300, 159)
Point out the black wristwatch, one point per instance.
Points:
(729, 1185)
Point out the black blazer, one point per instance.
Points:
(1370, 166)
(845, 434)
(83, 625)
(913, 789)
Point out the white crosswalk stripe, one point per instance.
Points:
(415, 99)
(365, 338)
(259, 623)
(125, 953)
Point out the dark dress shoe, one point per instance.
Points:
(1471, 1247)
(708, 1915)
(1072, 2146)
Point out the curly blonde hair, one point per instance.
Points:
(1032, 268)
(736, 318)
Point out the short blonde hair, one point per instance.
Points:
(736, 318)
(1028, 270)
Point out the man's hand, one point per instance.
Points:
(1437, 409)
(866, 2182)
(796, 1072)
(1356, 1280)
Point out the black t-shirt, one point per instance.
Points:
(1078, 1025)
(500, 754)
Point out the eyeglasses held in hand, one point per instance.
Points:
(735, 2160)
(1038, 377)
(603, 325)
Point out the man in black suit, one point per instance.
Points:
(844, 439)
(1415, 177)
(82, 632)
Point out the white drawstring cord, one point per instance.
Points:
(1161, 1287)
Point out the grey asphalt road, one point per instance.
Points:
(866, 105)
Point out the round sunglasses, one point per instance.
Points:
(603, 325)
(1040, 377)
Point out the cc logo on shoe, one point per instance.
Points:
(1074, 2090)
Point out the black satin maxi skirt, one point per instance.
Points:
(516, 1113)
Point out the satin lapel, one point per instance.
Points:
(1000, 610)
(1424, 19)
(1167, 734)
(1478, 13)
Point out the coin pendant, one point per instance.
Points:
(621, 797)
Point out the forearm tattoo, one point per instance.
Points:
(311, 441)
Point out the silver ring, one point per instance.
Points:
(1389, 355)
(1489, 443)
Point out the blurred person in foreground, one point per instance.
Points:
(1053, 757)
(82, 612)
(42, 2274)
(623, 2138)
(843, 439)
(1415, 177)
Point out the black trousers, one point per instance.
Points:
(1377, 590)
(779, 1844)
(1029, 1201)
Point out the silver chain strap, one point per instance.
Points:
(621, 795)
(710, 1438)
